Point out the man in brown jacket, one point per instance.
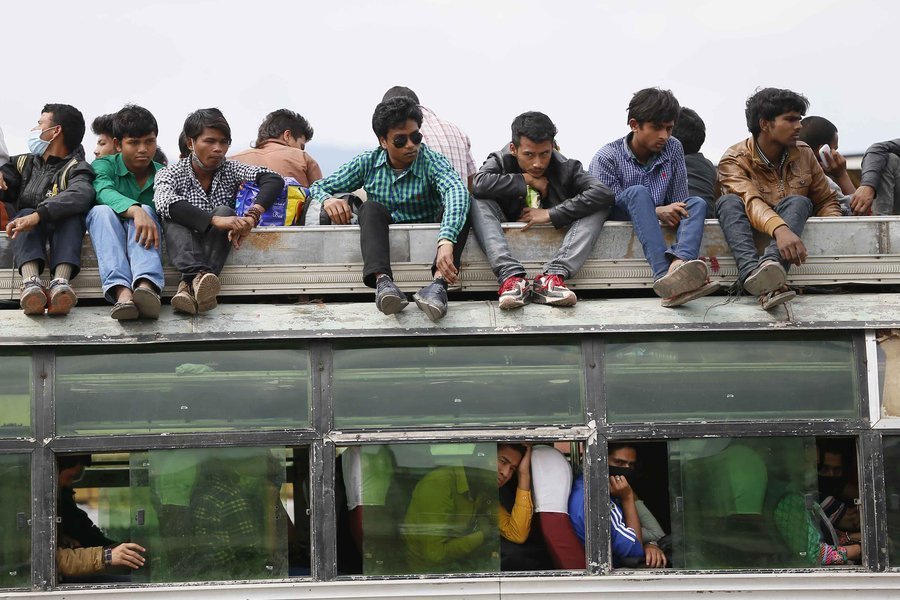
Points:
(772, 183)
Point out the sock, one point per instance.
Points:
(63, 271)
(31, 269)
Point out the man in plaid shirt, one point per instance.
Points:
(405, 182)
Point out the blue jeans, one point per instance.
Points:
(582, 234)
(636, 204)
(122, 260)
(65, 237)
(795, 210)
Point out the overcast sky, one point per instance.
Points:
(477, 63)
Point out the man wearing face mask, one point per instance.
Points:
(195, 198)
(49, 191)
(844, 516)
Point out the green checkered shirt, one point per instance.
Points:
(417, 195)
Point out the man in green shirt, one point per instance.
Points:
(124, 227)
(405, 182)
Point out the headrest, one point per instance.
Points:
(368, 473)
(551, 476)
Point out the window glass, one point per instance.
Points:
(15, 396)
(892, 490)
(15, 515)
(889, 371)
(750, 503)
(730, 376)
(456, 383)
(192, 389)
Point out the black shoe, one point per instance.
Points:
(432, 300)
(388, 297)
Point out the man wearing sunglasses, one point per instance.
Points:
(405, 182)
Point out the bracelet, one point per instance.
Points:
(107, 556)
(254, 213)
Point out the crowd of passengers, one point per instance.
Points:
(129, 198)
(455, 516)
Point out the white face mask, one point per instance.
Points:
(36, 145)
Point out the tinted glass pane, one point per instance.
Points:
(423, 508)
(196, 389)
(892, 489)
(889, 371)
(15, 395)
(747, 503)
(722, 377)
(15, 518)
(210, 514)
(397, 384)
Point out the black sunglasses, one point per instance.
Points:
(400, 140)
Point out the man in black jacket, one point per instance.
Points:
(531, 182)
(49, 191)
(879, 186)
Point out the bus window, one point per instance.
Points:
(189, 514)
(15, 395)
(15, 514)
(730, 376)
(889, 371)
(457, 383)
(451, 508)
(892, 490)
(184, 390)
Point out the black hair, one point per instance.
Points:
(204, 118)
(134, 121)
(653, 105)
(690, 130)
(103, 125)
(616, 446)
(768, 103)
(183, 150)
(817, 131)
(394, 113)
(830, 447)
(536, 126)
(161, 157)
(399, 91)
(72, 122)
(281, 120)
(520, 448)
(67, 461)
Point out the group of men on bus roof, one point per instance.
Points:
(421, 172)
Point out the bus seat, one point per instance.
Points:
(551, 477)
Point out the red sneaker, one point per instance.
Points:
(514, 292)
(550, 289)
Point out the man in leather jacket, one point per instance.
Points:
(531, 182)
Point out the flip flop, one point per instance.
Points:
(147, 302)
(124, 311)
(680, 299)
(687, 277)
(776, 298)
(768, 277)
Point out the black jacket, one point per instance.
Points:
(874, 161)
(34, 187)
(572, 193)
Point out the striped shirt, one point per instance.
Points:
(617, 167)
(178, 182)
(448, 139)
(623, 539)
(418, 194)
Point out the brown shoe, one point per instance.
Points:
(206, 287)
(60, 297)
(33, 297)
(183, 300)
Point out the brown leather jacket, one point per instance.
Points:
(742, 172)
(74, 562)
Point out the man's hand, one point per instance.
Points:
(619, 488)
(538, 183)
(534, 216)
(834, 165)
(22, 224)
(338, 211)
(3, 185)
(671, 214)
(862, 200)
(654, 557)
(790, 246)
(146, 233)
(524, 470)
(444, 263)
(128, 555)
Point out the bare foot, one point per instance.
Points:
(123, 294)
(674, 265)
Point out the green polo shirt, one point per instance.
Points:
(117, 187)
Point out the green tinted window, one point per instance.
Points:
(423, 508)
(15, 520)
(892, 490)
(453, 383)
(744, 503)
(196, 389)
(722, 377)
(15, 395)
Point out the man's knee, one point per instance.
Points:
(636, 194)
(223, 211)
(696, 206)
(373, 210)
(102, 214)
(728, 203)
(801, 203)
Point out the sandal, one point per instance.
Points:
(680, 299)
(688, 276)
(776, 298)
(768, 277)
(124, 311)
(147, 302)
